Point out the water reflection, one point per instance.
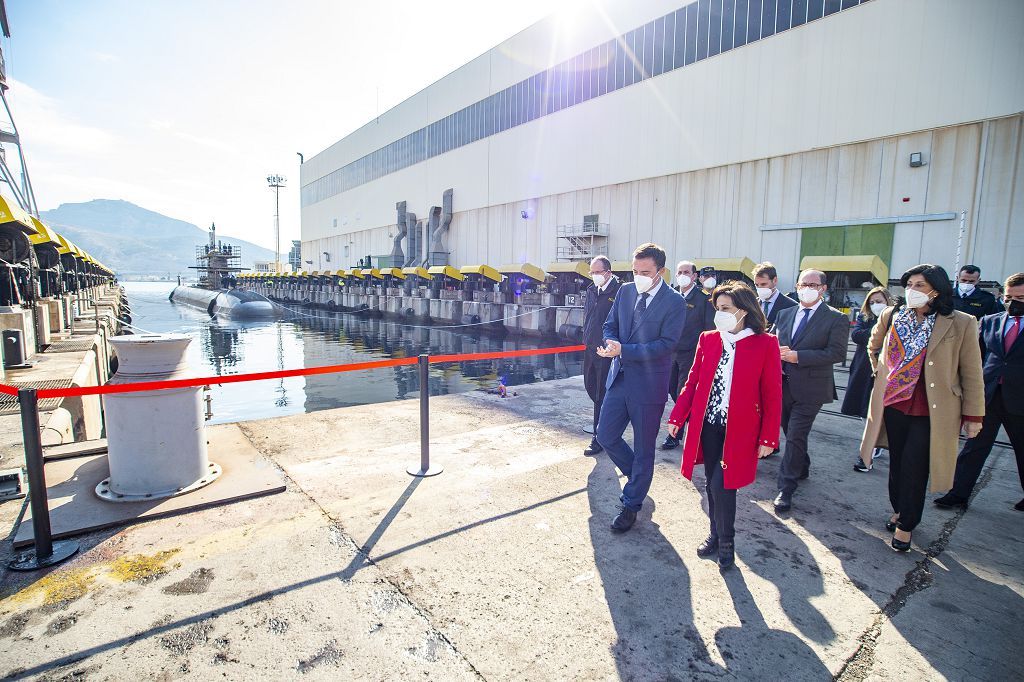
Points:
(315, 338)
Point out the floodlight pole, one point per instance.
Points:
(276, 182)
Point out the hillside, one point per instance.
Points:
(135, 241)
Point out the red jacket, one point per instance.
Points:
(755, 404)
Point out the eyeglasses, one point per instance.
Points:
(809, 286)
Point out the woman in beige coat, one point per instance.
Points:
(928, 385)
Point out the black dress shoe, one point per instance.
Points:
(783, 502)
(1019, 506)
(708, 547)
(593, 449)
(900, 545)
(669, 443)
(861, 467)
(625, 520)
(950, 501)
(726, 555)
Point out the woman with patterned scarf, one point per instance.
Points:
(928, 386)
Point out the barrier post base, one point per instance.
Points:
(417, 470)
(29, 561)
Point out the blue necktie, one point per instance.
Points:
(641, 307)
(801, 324)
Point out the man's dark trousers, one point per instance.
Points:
(595, 374)
(646, 420)
(797, 420)
(976, 450)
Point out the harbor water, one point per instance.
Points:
(311, 338)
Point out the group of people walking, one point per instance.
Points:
(744, 364)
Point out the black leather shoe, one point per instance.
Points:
(726, 555)
(624, 521)
(1019, 506)
(783, 502)
(899, 545)
(950, 501)
(890, 526)
(708, 547)
(593, 449)
(669, 443)
(858, 465)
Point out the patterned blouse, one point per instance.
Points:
(717, 412)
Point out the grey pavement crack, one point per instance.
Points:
(859, 665)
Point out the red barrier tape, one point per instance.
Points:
(76, 391)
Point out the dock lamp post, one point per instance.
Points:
(276, 182)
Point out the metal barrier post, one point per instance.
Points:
(46, 551)
(423, 469)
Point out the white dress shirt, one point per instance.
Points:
(800, 315)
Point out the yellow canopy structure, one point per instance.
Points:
(577, 267)
(446, 271)
(10, 212)
(482, 270)
(416, 272)
(43, 234)
(372, 272)
(742, 265)
(872, 265)
(393, 272)
(531, 271)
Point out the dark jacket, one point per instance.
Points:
(858, 387)
(647, 346)
(998, 364)
(596, 306)
(979, 303)
(781, 303)
(700, 317)
(822, 344)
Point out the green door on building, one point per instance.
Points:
(849, 240)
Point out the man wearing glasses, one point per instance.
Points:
(813, 338)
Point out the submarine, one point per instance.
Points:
(216, 292)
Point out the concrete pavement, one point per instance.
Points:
(504, 567)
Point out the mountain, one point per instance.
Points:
(130, 239)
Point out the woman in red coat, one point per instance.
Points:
(733, 401)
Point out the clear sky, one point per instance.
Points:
(184, 107)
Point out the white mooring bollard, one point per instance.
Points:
(156, 440)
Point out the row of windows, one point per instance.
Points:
(697, 31)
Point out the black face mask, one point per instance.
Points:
(1015, 308)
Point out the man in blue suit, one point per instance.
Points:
(1002, 351)
(640, 335)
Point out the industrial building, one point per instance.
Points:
(729, 131)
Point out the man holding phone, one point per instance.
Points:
(640, 334)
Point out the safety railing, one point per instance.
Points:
(46, 552)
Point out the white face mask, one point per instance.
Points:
(710, 283)
(808, 296)
(764, 294)
(966, 289)
(916, 299)
(724, 321)
(643, 283)
(877, 308)
(684, 281)
(599, 280)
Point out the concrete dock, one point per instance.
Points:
(504, 568)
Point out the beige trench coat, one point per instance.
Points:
(954, 385)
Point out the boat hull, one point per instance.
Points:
(235, 304)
